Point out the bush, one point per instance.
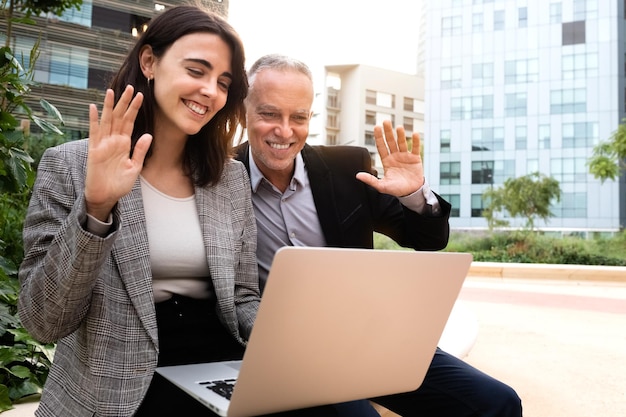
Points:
(532, 247)
(24, 362)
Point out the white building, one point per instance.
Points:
(513, 87)
(359, 97)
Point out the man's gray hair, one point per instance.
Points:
(277, 62)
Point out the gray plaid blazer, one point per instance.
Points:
(93, 295)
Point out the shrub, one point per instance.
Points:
(531, 247)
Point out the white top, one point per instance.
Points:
(177, 253)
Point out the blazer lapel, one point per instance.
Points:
(131, 254)
(322, 187)
(214, 207)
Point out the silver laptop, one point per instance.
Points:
(334, 325)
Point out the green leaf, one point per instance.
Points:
(5, 400)
(21, 371)
(22, 335)
(19, 167)
(7, 121)
(24, 389)
(46, 126)
(51, 110)
(7, 267)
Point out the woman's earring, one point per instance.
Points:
(149, 78)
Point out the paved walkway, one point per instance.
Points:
(560, 344)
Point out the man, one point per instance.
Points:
(329, 196)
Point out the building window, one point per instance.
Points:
(482, 74)
(568, 101)
(498, 20)
(408, 125)
(370, 117)
(475, 107)
(569, 170)
(331, 139)
(555, 13)
(369, 138)
(521, 137)
(455, 202)
(78, 16)
(477, 205)
(477, 22)
(521, 71)
(410, 104)
(522, 17)
(444, 141)
(532, 165)
(332, 98)
(69, 65)
(482, 172)
(21, 51)
(580, 135)
(515, 104)
(492, 172)
(449, 173)
(573, 33)
(378, 98)
(579, 65)
(451, 77)
(503, 170)
(572, 205)
(544, 136)
(331, 120)
(585, 9)
(487, 139)
(451, 25)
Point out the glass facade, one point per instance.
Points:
(512, 89)
(80, 50)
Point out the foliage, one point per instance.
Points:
(24, 362)
(536, 247)
(528, 196)
(33, 7)
(607, 160)
(531, 247)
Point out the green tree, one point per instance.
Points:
(32, 7)
(528, 197)
(607, 160)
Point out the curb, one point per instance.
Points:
(548, 271)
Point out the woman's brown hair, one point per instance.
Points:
(206, 151)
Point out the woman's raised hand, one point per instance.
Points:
(111, 171)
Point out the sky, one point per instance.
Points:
(330, 32)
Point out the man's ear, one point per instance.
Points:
(146, 61)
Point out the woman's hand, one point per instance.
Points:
(111, 172)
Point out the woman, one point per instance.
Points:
(140, 241)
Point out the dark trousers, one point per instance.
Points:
(453, 388)
(190, 332)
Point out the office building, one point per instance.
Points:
(516, 87)
(80, 50)
(359, 97)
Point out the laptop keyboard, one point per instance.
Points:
(221, 387)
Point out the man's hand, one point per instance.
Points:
(403, 169)
(111, 172)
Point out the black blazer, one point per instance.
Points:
(350, 211)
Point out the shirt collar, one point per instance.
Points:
(256, 176)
